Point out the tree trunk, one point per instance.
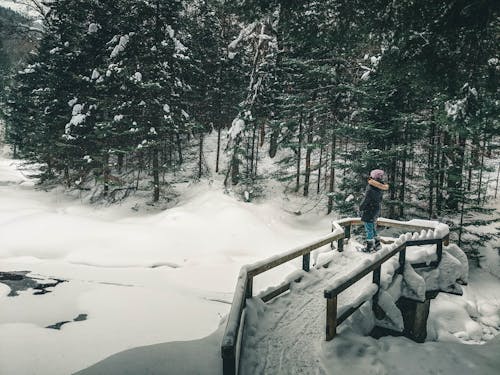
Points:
(217, 158)
(234, 166)
(332, 175)
(309, 147)
(200, 156)
(431, 169)
(455, 180)
(262, 134)
(319, 169)
(481, 166)
(498, 178)
(403, 173)
(170, 151)
(393, 190)
(120, 163)
(440, 164)
(254, 144)
(179, 148)
(273, 143)
(66, 176)
(256, 162)
(106, 172)
(156, 175)
(299, 156)
(235, 170)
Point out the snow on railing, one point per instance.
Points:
(431, 232)
(441, 272)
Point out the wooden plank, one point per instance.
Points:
(392, 224)
(274, 262)
(234, 318)
(347, 222)
(422, 242)
(273, 293)
(331, 318)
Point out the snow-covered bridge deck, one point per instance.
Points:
(285, 335)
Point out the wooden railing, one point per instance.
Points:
(333, 320)
(231, 341)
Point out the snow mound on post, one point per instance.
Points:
(414, 285)
(459, 255)
(449, 272)
(388, 270)
(393, 318)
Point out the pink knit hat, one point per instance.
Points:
(377, 174)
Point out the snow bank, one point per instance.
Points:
(180, 358)
(354, 354)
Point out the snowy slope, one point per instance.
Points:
(141, 278)
(19, 6)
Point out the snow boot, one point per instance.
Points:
(378, 245)
(370, 246)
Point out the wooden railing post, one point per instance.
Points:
(331, 244)
(306, 261)
(439, 250)
(228, 361)
(379, 313)
(249, 288)
(347, 234)
(347, 231)
(402, 261)
(331, 318)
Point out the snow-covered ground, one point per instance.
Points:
(140, 277)
(148, 288)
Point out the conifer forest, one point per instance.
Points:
(119, 96)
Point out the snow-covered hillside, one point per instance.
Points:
(20, 6)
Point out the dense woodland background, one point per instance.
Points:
(117, 95)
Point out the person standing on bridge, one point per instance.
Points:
(370, 208)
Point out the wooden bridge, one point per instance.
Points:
(414, 310)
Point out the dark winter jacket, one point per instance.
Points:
(370, 205)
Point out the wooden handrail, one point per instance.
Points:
(332, 321)
(244, 288)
